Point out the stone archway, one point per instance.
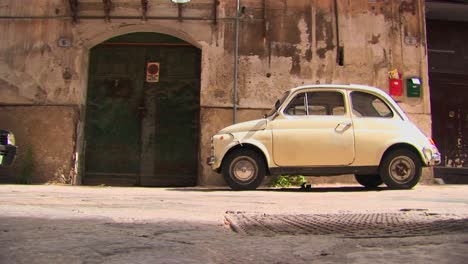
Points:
(102, 35)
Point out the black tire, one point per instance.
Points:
(401, 169)
(243, 169)
(368, 181)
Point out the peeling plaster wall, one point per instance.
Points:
(45, 136)
(283, 44)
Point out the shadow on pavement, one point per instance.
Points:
(289, 189)
(39, 240)
(92, 241)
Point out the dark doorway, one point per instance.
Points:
(448, 80)
(142, 114)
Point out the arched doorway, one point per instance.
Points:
(142, 112)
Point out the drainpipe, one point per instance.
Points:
(236, 65)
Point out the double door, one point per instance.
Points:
(140, 132)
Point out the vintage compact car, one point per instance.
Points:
(7, 148)
(325, 130)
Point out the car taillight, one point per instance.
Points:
(432, 141)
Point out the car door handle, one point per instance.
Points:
(341, 127)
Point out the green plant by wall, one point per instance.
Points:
(288, 181)
(28, 166)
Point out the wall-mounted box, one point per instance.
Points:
(413, 87)
(396, 87)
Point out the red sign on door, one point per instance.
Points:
(152, 72)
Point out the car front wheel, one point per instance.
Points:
(401, 169)
(243, 169)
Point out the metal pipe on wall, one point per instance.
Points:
(236, 65)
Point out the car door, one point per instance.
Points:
(314, 129)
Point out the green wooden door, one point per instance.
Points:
(112, 130)
(171, 120)
(141, 133)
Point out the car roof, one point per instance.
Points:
(353, 87)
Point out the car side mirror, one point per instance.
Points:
(277, 104)
(273, 116)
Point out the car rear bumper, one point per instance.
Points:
(432, 156)
(435, 159)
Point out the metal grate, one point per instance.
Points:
(348, 225)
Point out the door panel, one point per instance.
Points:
(314, 130)
(112, 128)
(313, 141)
(170, 125)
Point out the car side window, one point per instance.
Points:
(325, 103)
(318, 103)
(297, 105)
(369, 105)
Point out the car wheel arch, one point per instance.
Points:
(402, 146)
(252, 147)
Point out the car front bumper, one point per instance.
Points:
(210, 160)
(7, 155)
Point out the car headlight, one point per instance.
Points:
(11, 139)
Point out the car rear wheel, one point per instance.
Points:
(368, 181)
(243, 169)
(401, 169)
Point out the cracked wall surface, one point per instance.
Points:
(282, 44)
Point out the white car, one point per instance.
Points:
(7, 148)
(325, 130)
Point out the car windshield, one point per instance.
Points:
(278, 104)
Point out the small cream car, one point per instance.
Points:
(325, 130)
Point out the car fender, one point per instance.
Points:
(406, 141)
(244, 140)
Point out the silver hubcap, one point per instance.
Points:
(402, 169)
(244, 169)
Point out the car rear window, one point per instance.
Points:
(369, 105)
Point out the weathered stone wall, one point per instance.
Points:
(45, 136)
(282, 44)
